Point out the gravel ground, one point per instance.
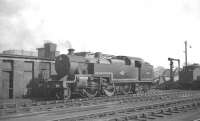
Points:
(193, 115)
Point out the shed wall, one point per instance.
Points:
(20, 71)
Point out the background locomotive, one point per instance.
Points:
(187, 78)
(190, 77)
(94, 74)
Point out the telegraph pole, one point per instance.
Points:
(186, 53)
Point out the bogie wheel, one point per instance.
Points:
(108, 89)
(90, 93)
(125, 88)
(91, 90)
(139, 89)
(142, 89)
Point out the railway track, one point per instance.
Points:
(149, 112)
(41, 106)
(95, 104)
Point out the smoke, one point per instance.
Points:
(9, 8)
(63, 45)
(15, 29)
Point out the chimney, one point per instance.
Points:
(97, 55)
(71, 51)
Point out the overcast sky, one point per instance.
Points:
(151, 29)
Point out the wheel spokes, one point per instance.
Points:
(91, 90)
(126, 88)
(90, 93)
(109, 89)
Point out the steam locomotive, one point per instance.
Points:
(92, 74)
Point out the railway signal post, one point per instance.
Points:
(172, 66)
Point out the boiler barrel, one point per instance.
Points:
(69, 65)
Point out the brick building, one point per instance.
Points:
(16, 72)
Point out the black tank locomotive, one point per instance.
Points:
(93, 74)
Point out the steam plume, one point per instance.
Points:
(64, 45)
